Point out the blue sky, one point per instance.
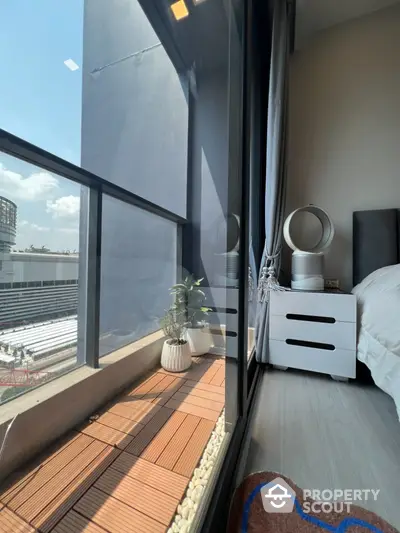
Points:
(41, 101)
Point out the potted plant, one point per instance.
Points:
(189, 301)
(175, 355)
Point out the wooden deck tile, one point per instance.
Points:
(11, 523)
(57, 508)
(209, 375)
(194, 448)
(146, 387)
(166, 420)
(195, 372)
(108, 435)
(41, 498)
(75, 523)
(159, 388)
(219, 377)
(43, 474)
(143, 498)
(191, 409)
(177, 444)
(115, 516)
(20, 480)
(152, 475)
(143, 439)
(200, 402)
(171, 387)
(153, 450)
(216, 359)
(194, 391)
(204, 386)
(120, 423)
(137, 410)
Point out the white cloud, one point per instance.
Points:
(24, 224)
(37, 186)
(70, 231)
(64, 207)
(39, 228)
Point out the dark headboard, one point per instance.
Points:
(376, 241)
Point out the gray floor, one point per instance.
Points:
(328, 435)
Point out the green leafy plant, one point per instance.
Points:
(173, 325)
(189, 301)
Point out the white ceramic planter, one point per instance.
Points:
(199, 339)
(175, 357)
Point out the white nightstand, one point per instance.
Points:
(313, 331)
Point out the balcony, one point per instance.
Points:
(128, 467)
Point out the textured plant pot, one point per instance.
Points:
(199, 340)
(175, 357)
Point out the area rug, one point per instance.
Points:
(249, 515)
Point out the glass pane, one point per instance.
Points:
(138, 267)
(251, 306)
(211, 37)
(135, 110)
(90, 81)
(39, 275)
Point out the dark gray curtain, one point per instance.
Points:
(275, 187)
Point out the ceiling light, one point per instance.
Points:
(70, 63)
(179, 10)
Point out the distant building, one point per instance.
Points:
(43, 287)
(8, 230)
(33, 286)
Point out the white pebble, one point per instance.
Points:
(186, 511)
(188, 503)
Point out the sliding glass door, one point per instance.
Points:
(127, 171)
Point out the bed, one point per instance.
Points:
(376, 281)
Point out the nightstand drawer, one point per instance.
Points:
(340, 307)
(337, 362)
(340, 334)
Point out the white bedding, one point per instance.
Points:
(378, 298)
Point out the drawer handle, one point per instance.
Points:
(227, 310)
(310, 344)
(226, 333)
(311, 318)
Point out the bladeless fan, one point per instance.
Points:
(308, 264)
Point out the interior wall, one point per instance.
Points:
(344, 127)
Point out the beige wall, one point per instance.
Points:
(344, 137)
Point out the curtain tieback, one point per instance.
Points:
(268, 280)
(251, 285)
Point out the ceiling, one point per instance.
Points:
(316, 15)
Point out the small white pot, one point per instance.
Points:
(175, 357)
(199, 339)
